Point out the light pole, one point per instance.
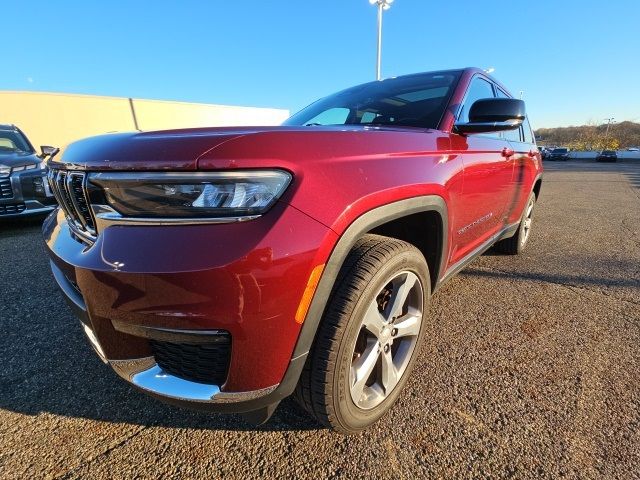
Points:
(609, 120)
(382, 5)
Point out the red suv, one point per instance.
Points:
(225, 269)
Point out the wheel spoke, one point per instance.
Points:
(389, 372)
(529, 210)
(400, 293)
(407, 326)
(373, 319)
(362, 368)
(386, 340)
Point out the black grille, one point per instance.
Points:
(5, 188)
(12, 208)
(80, 199)
(203, 363)
(69, 189)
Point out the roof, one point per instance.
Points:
(7, 127)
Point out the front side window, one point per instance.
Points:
(478, 90)
(410, 101)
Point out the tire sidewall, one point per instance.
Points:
(349, 415)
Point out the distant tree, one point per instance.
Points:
(592, 136)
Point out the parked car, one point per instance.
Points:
(559, 154)
(224, 269)
(23, 182)
(607, 156)
(633, 149)
(544, 152)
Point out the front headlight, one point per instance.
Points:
(192, 195)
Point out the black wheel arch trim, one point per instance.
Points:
(363, 224)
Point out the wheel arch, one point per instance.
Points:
(537, 185)
(378, 220)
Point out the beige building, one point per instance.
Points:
(58, 119)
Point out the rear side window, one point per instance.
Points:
(511, 135)
(528, 133)
(478, 90)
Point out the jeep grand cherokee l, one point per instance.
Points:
(23, 186)
(226, 268)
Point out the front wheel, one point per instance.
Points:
(369, 336)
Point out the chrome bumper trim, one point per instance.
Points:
(157, 381)
(145, 374)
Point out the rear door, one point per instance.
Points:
(487, 179)
(525, 159)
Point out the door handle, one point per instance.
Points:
(507, 152)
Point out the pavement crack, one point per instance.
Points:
(113, 446)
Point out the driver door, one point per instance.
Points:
(488, 167)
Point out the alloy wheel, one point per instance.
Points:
(526, 221)
(386, 341)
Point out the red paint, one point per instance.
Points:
(249, 277)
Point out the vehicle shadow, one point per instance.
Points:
(576, 280)
(19, 226)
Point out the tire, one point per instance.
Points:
(518, 241)
(347, 383)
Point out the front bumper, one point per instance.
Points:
(25, 193)
(137, 284)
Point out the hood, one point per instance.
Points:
(17, 159)
(161, 150)
(238, 147)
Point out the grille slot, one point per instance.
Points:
(76, 189)
(5, 188)
(202, 363)
(69, 189)
(12, 208)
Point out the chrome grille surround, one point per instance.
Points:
(6, 190)
(69, 188)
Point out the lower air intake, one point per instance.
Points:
(203, 363)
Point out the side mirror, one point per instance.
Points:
(48, 151)
(493, 115)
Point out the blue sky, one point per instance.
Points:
(574, 60)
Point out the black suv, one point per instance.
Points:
(559, 154)
(607, 156)
(23, 175)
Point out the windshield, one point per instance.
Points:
(412, 101)
(12, 141)
(560, 150)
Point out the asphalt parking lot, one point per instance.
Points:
(531, 370)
